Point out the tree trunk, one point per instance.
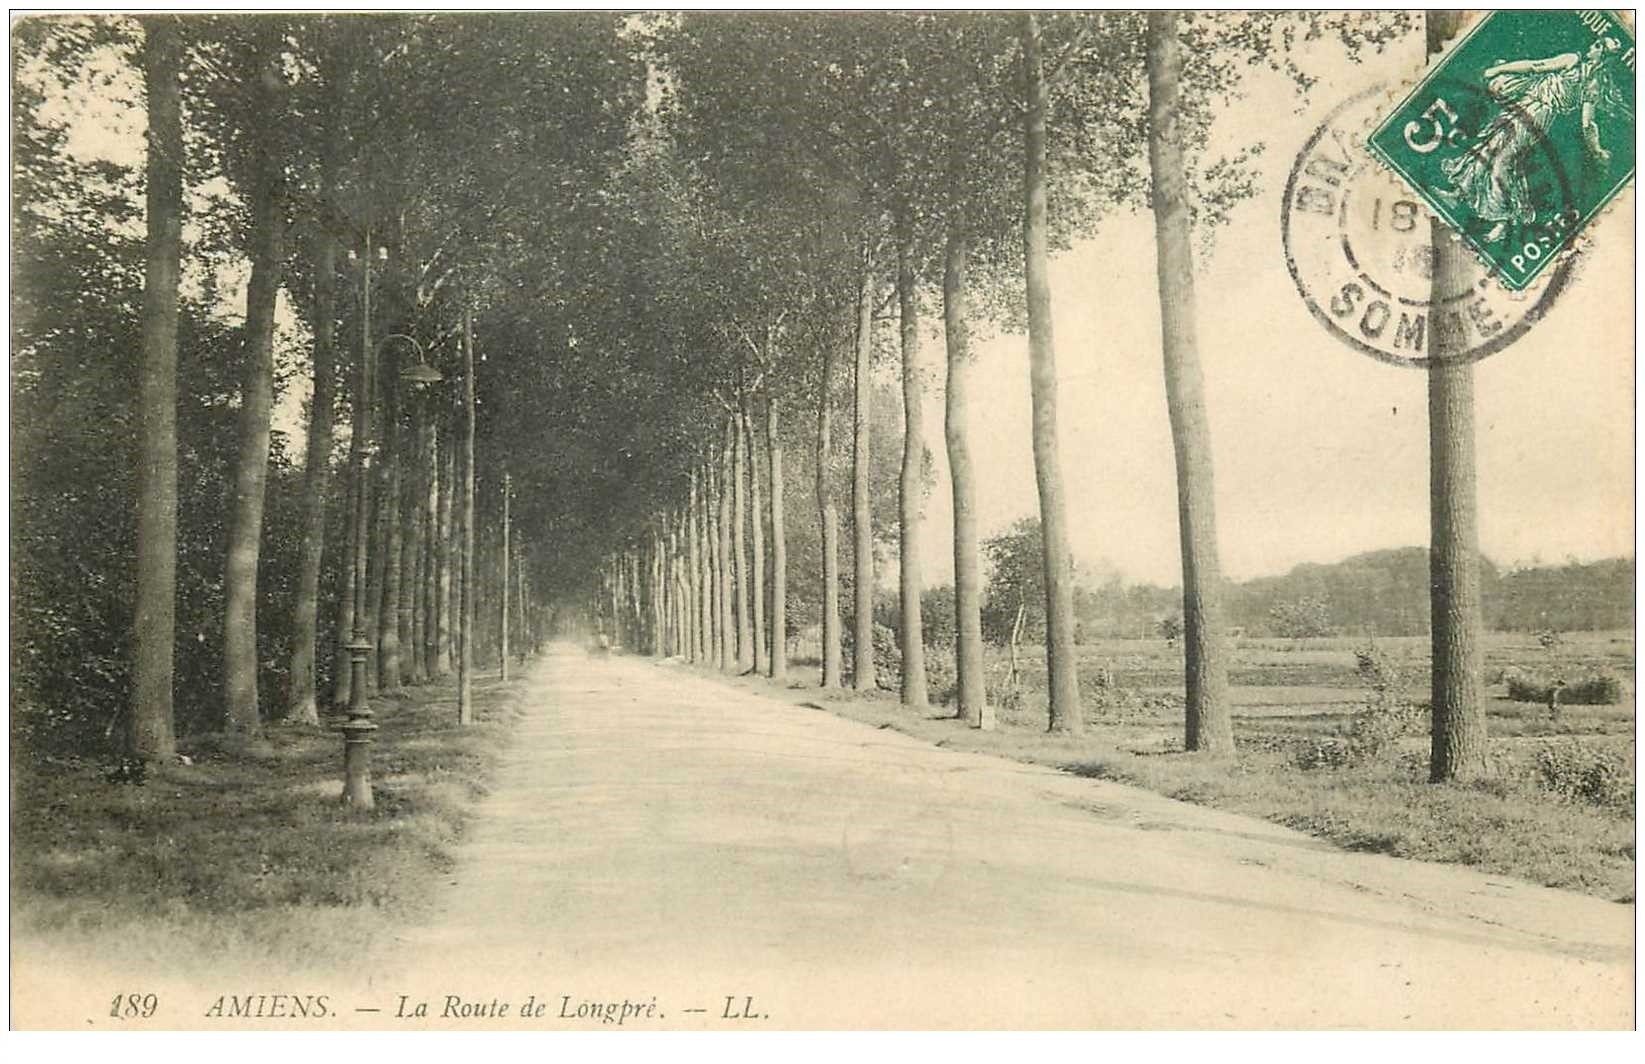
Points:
(422, 619)
(642, 616)
(377, 567)
(680, 574)
(668, 599)
(502, 642)
(689, 613)
(829, 513)
(152, 733)
(302, 707)
(353, 618)
(756, 506)
(728, 623)
(342, 679)
(431, 551)
(245, 526)
(688, 581)
(522, 614)
(862, 508)
(697, 560)
(707, 608)
(1458, 748)
(711, 538)
(1062, 679)
(634, 634)
(465, 638)
(480, 629)
(972, 688)
(708, 611)
(1208, 724)
(411, 552)
(711, 572)
(688, 594)
(777, 666)
(393, 508)
(644, 567)
(651, 566)
(911, 490)
(668, 575)
(446, 653)
(418, 651)
(656, 596)
(735, 444)
(635, 623)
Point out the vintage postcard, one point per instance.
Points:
(819, 520)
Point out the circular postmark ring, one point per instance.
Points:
(1362, 262)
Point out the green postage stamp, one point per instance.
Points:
(1520, 134)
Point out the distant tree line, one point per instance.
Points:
(1377, 593)
(1386, 593)
(1381, 593)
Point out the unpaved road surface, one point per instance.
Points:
(662, 838)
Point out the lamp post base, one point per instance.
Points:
(357, 763)
(357, 730)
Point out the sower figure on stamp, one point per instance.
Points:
(1492, 176)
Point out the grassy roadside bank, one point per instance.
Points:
(1508, 824)
(252, 854)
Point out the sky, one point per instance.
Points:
(1319, 451)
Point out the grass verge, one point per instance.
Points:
(252, 853)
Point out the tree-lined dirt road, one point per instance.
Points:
(664, 838)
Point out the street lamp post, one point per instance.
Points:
(358, 728)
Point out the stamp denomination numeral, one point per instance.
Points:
(1439, 114)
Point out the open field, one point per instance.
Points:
(1558, 808)
(251, 854)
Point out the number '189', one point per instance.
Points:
(134, 1006)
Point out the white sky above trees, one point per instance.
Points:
(1319, 451)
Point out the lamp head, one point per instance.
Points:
(421, 373)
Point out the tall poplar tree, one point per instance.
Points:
(302, 704)
(152, 731)
(1061, 654)
(267, 202)
(1457, 616)
(1209, 726)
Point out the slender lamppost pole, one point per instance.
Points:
(358, 728)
